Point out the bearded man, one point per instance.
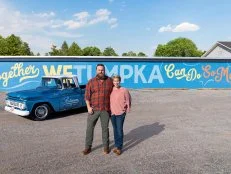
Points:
(97, 97)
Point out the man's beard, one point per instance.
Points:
(101, 76)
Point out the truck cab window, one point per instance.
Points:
(68, 83)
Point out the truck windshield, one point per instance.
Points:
(51, 83)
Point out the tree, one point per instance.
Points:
(54, 51)
(180, 47)
(74, 50)
(64, 49)
(133, 54)
(14, 46)
(141, 54)
(130, 54)
(109, 51)
(91, 51)
(26, 50)
(3, 46)
(125, 54)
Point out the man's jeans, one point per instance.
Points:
(91, 122)
(117, 123)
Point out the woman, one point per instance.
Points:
(120, 103)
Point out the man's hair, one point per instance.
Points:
(100, 65)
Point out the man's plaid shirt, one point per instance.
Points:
(98, 93)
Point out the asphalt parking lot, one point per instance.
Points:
(168, 131)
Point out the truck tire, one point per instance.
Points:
(41, 112)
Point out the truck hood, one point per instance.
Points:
(33, 93)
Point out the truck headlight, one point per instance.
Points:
(22, 106)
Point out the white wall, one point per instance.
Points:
(219, 52)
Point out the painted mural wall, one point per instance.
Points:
(136, 74)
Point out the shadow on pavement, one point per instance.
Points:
(140, 134)
(57, 115)
(67, 113)
(101, 146)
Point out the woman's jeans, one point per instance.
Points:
(117, 123)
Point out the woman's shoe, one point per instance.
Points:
(114, 149)
(118, 152)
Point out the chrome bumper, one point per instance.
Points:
(16, 111)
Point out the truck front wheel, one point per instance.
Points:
(41, 112)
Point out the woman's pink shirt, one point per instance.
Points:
(120, 101)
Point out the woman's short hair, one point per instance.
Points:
(116, 77)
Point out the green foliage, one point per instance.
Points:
(14, 46)
(91, 51)
(180, 47)
(109, 51)
(74, 50)
(133, 54)
(64, 49)
(3, 46)
(55, 51)
(125, 54)
(141, 54)
(26, 50)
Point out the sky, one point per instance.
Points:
(125, 25)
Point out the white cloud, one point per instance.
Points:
(102, 12)
(71, 24)
(42, 29)
(101, 15)
(18, 23)
(165, 29)
(38, 29)
(111, 1)
(112, 21)
(84, 19)
(183, 27)
(82, 15)
(46, 15)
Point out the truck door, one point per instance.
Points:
(71, 95)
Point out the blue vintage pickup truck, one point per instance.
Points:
(56, 93)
